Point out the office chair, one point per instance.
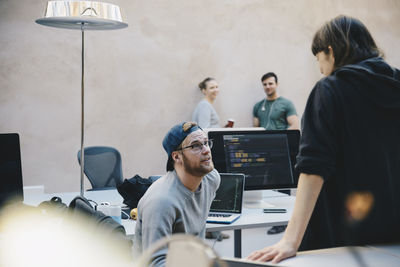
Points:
(102, 167)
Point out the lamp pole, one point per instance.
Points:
(82, 108)
(82, 15)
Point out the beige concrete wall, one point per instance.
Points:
(143, 79)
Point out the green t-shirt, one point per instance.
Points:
(272, 114)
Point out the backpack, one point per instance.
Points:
(81, 207)
(134, 188)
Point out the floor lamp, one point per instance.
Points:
(82, 15)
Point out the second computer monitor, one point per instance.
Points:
(267, 158)
(11, 188)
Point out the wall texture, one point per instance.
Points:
(143, 79)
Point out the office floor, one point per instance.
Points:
(252, 239)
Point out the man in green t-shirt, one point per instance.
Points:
(274, 112)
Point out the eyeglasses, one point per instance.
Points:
(198, 147)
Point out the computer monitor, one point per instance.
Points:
(266, 157)
(10, 169)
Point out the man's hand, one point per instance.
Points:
(274, 253)
(256, 122)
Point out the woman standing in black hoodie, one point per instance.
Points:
(349, 159)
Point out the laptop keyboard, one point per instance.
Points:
(222, 218)
(218, 215)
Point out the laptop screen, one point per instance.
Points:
(10, 168)
(229, 196)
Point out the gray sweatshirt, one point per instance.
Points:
(205, 115)
(168, 207)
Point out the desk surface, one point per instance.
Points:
(347, 256)
(99, 196)
(251, 218)
(380, 255)
(358, 256)
(254, 218)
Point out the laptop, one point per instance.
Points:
(11, 188)
(227, 205)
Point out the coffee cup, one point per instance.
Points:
(112, 210)
(230, 123)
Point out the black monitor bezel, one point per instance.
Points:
(13, 190)
(219, 158)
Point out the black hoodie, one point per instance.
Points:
(351, 137)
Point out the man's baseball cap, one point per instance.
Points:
(175, 137)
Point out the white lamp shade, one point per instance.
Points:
(73, 14)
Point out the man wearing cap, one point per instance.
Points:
(179, 201)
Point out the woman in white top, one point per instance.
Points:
(204, 114)
(206, 117)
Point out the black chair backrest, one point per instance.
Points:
(102, 166)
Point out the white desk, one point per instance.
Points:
(255, 218)
(377, 255)
(111, 196)
(357, 256)
(99, 196)
(251, 218)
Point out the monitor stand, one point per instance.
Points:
(254, 200)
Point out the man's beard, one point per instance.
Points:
(273, 93)
(198, 171)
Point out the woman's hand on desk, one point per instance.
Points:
(274, 253)
(308, 189)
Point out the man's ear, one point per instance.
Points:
(176, 156)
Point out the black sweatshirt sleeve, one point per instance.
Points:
(318, 143)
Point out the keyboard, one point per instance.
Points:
(219, 215)
(222, 218)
